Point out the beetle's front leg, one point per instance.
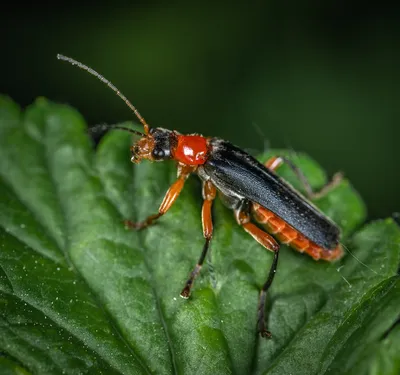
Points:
(209, 193)
(169, 199)
(242, 215)
(276, 161)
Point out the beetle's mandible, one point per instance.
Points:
(251, 189)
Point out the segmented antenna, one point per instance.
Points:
(110, 85)
(104, 127)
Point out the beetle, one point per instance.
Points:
(249, 188)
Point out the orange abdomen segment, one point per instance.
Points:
(290, 236)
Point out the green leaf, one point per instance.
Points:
(80, 294)
(9, 367)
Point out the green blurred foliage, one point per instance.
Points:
(319, 77)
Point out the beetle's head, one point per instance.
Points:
(156, 145)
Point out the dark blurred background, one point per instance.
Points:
(315, 76)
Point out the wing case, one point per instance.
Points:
(236, 173)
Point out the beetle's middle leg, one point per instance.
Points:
(209, 193)
(276, 161)
(242, 215)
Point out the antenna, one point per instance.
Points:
(110, 85)
(103, 127)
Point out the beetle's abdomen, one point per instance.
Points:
(236, 173)
(293, 238)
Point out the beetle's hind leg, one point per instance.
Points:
(276, 161)
(242, 215)
(209, 193)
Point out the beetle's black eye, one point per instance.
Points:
(158, 153)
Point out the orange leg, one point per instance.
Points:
(209, 193)
(276, 161)
(169, 199)
(243, 218)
